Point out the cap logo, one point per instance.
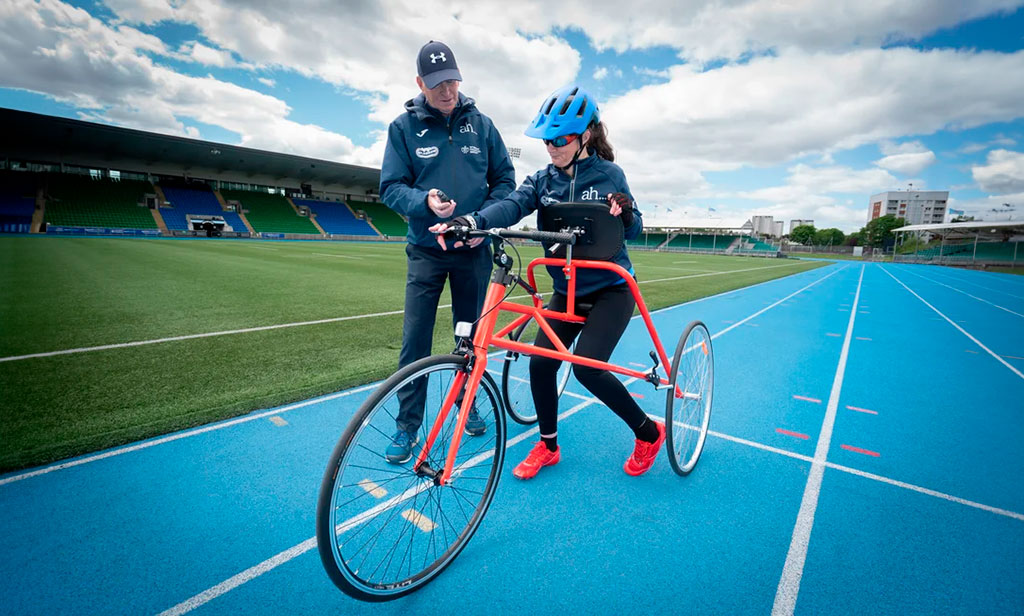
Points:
(440, 56)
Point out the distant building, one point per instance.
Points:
(796, 222)
(778, 230)
(764, 225)
(917, 207)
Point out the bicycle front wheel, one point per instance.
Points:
(385, 530)
(687, 417)
(515, 377)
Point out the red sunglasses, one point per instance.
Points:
(561, 141)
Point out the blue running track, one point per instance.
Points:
(865, 458)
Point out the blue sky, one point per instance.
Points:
(799, 110)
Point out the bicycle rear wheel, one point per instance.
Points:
(688, 416)
(515, 377)
(385, 530)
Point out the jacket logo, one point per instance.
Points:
(467, 128)
(547, 199)
(440, 56)
(590, 194)
(427, 152)
(470, 149)
(422, 132)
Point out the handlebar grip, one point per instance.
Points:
(550, 237)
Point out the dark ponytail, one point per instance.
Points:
(599, 142)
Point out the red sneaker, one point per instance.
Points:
(644, 453)
(539, 456)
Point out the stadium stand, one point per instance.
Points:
(17, 202)
(195, 200)
(650, 240)
(383, 218)
(269, 213)
(336, 218)
(81, 201)
(986, 251)
(699, 241)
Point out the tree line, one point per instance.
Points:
(877, 233)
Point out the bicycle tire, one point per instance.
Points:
(357, 469)
(687, 418)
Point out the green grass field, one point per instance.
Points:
(77, 293)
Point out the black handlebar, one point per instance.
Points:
(551, 237)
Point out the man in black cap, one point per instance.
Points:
(443, 159)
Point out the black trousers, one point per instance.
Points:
(606, 321)
(468, 271)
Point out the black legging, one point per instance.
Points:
(607, 320)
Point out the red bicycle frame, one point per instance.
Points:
(486, 337)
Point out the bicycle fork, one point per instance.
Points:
(467, 381)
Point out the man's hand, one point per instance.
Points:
(439, 203)
(622, 206)
(461, 221)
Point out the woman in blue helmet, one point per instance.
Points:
(581, 169)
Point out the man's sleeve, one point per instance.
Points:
(396, 177)
(501, 175)
(510, 210)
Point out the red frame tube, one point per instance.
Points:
(485, 337)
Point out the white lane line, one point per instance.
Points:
(945, 273)
(965, 293)
(180, 435)
(793, 570)
(122, 345)
(297, 550)
(951, 322)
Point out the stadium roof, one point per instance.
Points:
(40, 138)
(976, 228)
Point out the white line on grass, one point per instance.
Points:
(951, 322)
(792, 572)
(121, 345)
(244, 419)
(324, 254)
(964, 292)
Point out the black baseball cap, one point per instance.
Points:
(436, 63)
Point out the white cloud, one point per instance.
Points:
(270, 83)
(1002, 174)
(999, 140)
(906, 158)
(601, 73)
(194, 51)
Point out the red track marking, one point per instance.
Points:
(789, 433)
(1012, 357)
(860, 410)
(866, 452)
(806, 399)
(636, 395)
(970, 351)
(833, 335)
(862, 338)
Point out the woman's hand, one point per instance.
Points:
(461, 221)
(622, 206)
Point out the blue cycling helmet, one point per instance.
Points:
(568, 111)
